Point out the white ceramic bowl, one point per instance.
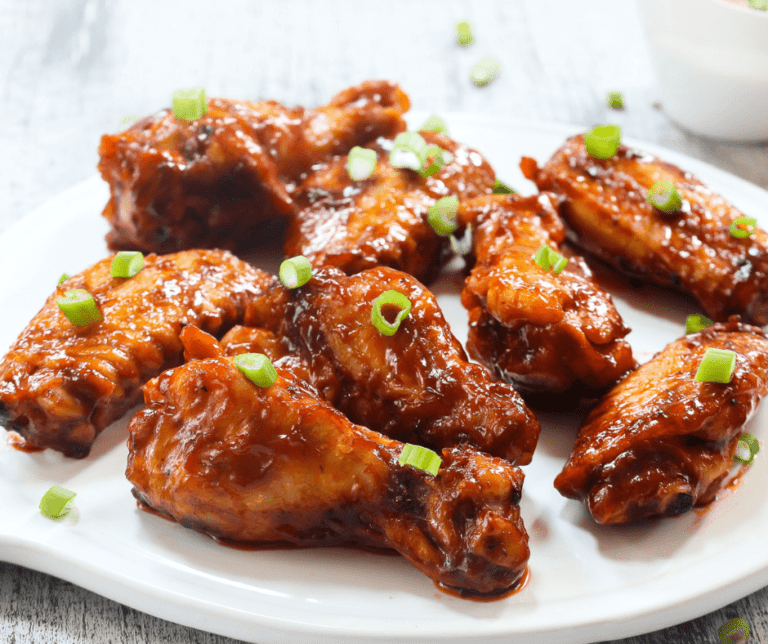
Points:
(711, 64)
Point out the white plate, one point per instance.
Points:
(588, 582)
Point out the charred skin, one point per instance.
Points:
(692, 250)
(659, 442)
(270, 465)
(545, 333)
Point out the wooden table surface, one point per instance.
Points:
(73, 70)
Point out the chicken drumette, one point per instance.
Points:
(279, 464)
(544, 332)
(660, 442)
(211, 182)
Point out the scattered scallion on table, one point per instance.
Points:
(257, 368)
(391, 298)
(717, 365)
(57, 502)
(79, 307)
(464, 33)
(421, 458)
(485, 71)
(615, 100)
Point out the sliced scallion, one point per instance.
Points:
(64, 277)
(57, 502)
(361, 162)
(409, 150)
(393, 298)
(664, 196)
(742, 227)
(695, 323)
(126, 264)
(436, 159)
(603, 141)
(420, 458)
(295, 272)
(485, 71)
(435, 124)
(549, 259)
(717, 365)
(464, 33)
(501, 188)
(257, 368)
(747, 443)
(79, 307)
(615, 100)
(189, 104)
(442, 215)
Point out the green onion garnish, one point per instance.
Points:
(377, 317)
(485, 71)
(361, 162)
(603, 141)
(695, 323)
(442, 215)
(64, 277)
(501, 188)
(664, 196)
(57, 502)
(615, 100)
(728, 630)
(126, 263)
(189, 104)
(747, 442)
(464, 33)
(257, 368)
(436, 159)
(420, 458)
(464, 245)
(409, 150)
(79, 307)
(743, 227)
(295, 272)
(548, 259)
(717, 365)
(435, 124)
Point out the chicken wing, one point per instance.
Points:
(211, 182)
(692, 250)
(280, 465)
(60, 384)
(660, 442)
(543, 332)
(415, 386)
(382, 220)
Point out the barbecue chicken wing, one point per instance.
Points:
(660, 442)
(211, 182)
(692, 250)
(60, 384)
(415, 386)
(545, 333)
(382, 220)
(279, 464)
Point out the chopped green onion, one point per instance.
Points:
(79, 307)
(189, 104)
(485, 71)
(548, 259)
(436, 159)
(64, 277)
(435, 124)
(728, 630)
(695, 323)
(420, 458)
(558, 261)
(409, 150)
(743, 227)
(257, 368)
(501, 188)
(762, 5)
(747, 442)
(464, 33)
(377, 317)
(717, 365)
(295, 272)
(126, 263)
(361, 162)
(129, 119)
(57, 502)
(615, 100)
(664, 196)
(603, 141)
(442, 215)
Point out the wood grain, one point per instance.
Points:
(73, 70)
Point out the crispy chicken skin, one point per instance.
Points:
(60, 384)
(659, 442)
(382, 220)
(211, 182)
(279, 464)
(605, 206)
(415, 386)
(543, 332)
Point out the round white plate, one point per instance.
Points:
(588, 582)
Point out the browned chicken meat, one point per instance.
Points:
(692, 249)
(382, 220)
(543, 332)
(660, 442)
(415, 386)
(210, 183)
(60, 384)
(280, 465)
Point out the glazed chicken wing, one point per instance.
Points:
(382, 220)
(692, 250)
(279, 464)
(60, 384)
(661, 442)
(415, 386)
(210, 183)
(544, 332)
